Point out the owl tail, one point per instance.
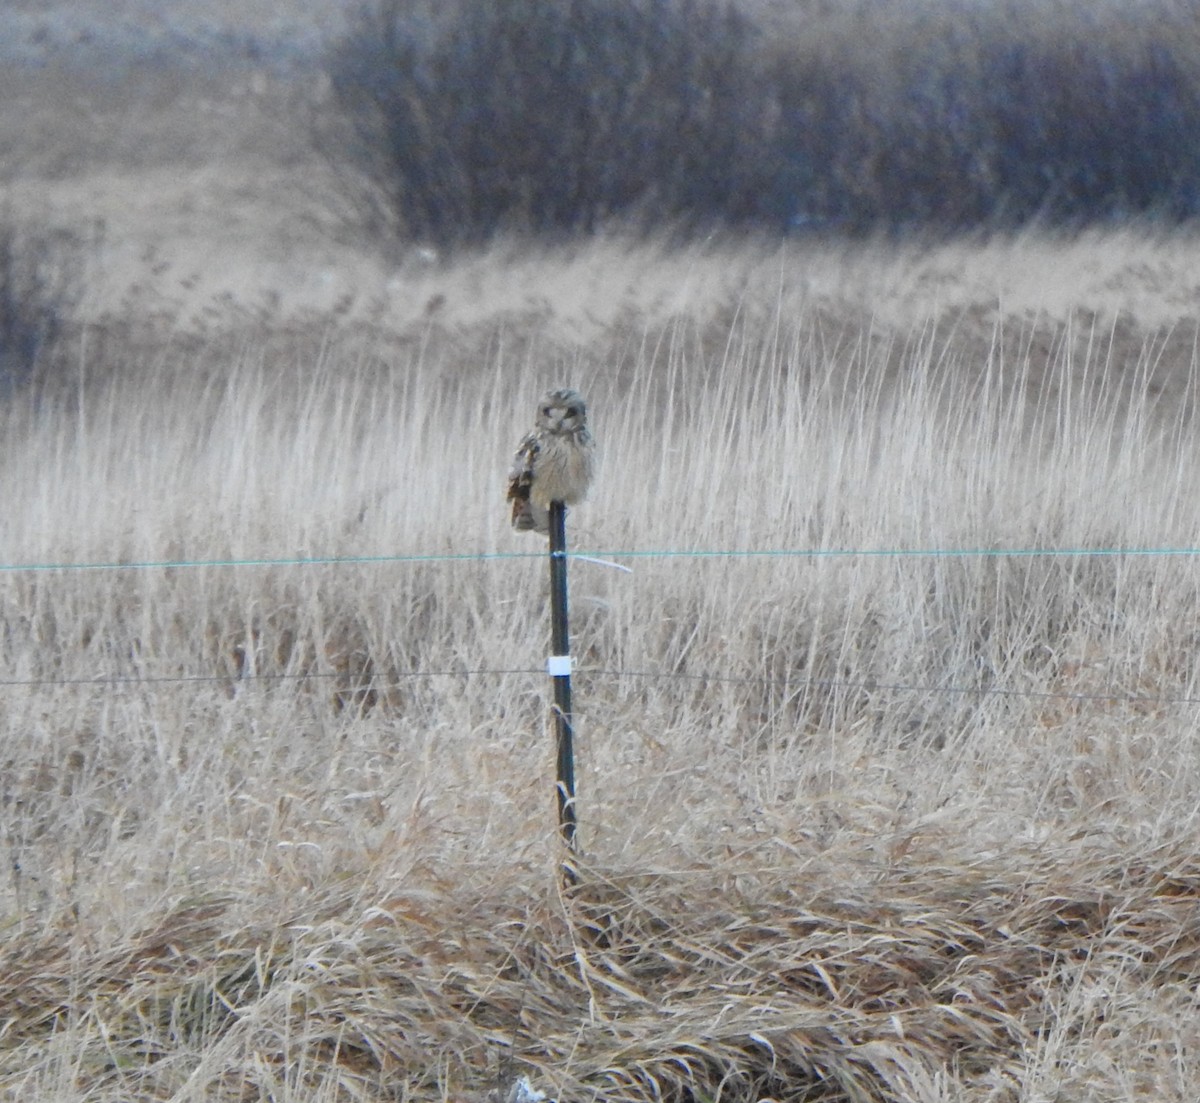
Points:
(526, 517)
(522, 516)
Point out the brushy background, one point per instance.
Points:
(856, 825)
(854, 117)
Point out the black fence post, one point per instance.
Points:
(559, 667)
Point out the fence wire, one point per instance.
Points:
(363, 683)
(366, 683)
(603, 554)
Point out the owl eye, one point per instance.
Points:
(545, 411)
(572, 411)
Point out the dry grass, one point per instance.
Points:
(934, 979)
(854, 827)
(883, 828)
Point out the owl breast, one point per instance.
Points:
(564, 469)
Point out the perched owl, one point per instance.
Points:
(554, 463)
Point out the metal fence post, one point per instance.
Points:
(559, 667)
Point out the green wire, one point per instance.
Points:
(670, 553)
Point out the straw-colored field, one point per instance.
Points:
(874, 826)
(860, 824)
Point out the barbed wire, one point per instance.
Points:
(366, 683)
(363, 683)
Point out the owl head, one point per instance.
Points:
(562, 411)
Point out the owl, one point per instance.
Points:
(554, 463)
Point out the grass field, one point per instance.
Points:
(861, 824)
(861, 827)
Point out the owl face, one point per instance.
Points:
(562, 411)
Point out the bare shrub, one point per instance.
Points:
(553, 117)
(946, 120)
(37, 295)
(556, 116)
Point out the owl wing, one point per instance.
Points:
(520, 481)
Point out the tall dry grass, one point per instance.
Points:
(854, 826)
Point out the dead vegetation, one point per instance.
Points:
(855, 827)
(772, 973)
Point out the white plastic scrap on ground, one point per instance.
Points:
(523, 1091)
